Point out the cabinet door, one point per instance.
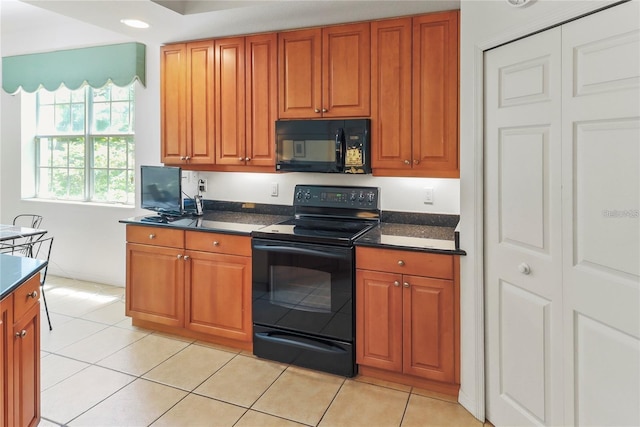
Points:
(6, 361)
(379, 320)
(26, 368)
(428, 325)
(346, 72)
(230, 101)
(261, 64)
(300, 62)
(435, 94)
(199, 103)
(155, 284)
(391, 94)
(219, 295)
(172, 103)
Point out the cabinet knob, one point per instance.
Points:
(241, 159)
(183, 158)
(179, 256)
(401, 263)
(405, 284)
(317, 110)
(186, 257)
(152, 236)
(216, 243)
(396, 283)
(415, 162)
(187, 158)
(407, 162)
(246, 159)
(324, 110)
(524, 268)
(21, 334)
(33, 294)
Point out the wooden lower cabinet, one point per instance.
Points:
(407, 326)
(190, 283)
(20, 355)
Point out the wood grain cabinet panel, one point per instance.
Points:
(406, 323)
(325, 72)
(200, 286)
(415, 96)
(187, 103)
(20, 356)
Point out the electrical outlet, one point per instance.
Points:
(274, 189)
(428, 196)
(202, 185)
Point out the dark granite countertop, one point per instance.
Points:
(415, 232)
(15, 270)
(224, 217)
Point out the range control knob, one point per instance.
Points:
(353, 197)
(307, 195)
(361, 197)
(299, 195)
(371, 197)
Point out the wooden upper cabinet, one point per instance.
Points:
(230, 101)
(325, 72)
(391, 92)
(173, 60)
(415, 96)
(187, 94)
(261, 67)
(435, 94)
(200, 103)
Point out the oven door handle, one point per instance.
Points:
(295, 250)
(295, 341)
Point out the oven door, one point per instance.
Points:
(304, 288)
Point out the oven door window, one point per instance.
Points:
(301, 288)
(304, 288)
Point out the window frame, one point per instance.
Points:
(90, 139)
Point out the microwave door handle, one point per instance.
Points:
(340, 143)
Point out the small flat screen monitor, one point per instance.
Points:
(161, 189)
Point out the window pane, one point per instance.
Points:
(59, 153)
(118, 153)
(44, 155)
(100, 185)
(102, 94)
(120, 93)
(101, 153)
(77, 114)
(63, 117)
(76, 153)
(118, 185)
(44, 183)
(63, 95)
(76, 184)
(120, 118)
(101, 117)
(46, 97)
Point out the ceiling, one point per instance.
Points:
(173, 20)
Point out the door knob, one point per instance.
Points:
(524, 268)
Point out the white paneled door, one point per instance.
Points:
(562, 234)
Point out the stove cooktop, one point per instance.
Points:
(332, 231)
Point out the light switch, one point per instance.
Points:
(428, 196)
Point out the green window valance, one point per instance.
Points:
(95, 66)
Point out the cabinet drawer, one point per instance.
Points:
(405, 262)
(157, 236)
(218, 243)
(26, 296)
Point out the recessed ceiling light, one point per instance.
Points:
(134, 23)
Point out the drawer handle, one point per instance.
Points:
(33, 294)
(396, 283)
(216, 243)
(406, 284)
(401, 263)
(152, 236)
(21, 334)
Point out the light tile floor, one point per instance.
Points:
(99, 370)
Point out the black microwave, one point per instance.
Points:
(329, 146)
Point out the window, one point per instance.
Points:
(85, 144)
